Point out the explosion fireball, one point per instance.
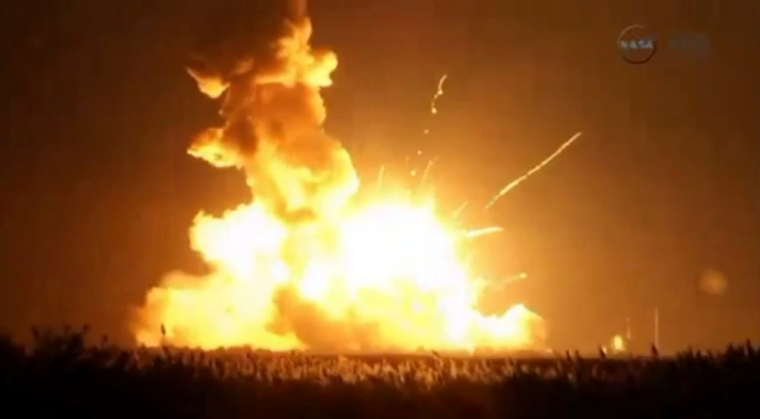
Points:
(307, 264)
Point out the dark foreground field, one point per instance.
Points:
(61, 376)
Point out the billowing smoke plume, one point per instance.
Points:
(257, 60)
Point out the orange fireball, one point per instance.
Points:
(304, 265)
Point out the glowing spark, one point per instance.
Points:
(532, 171)
(618, 344)
(380, 176)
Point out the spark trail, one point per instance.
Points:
(438, 94)
(532, 171)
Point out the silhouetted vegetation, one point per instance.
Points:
(61, 374)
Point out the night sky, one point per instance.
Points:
(98, 192)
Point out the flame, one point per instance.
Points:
(617, 343)
(306, 264)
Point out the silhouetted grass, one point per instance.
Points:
(60, 374)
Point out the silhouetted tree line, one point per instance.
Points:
(60, 374)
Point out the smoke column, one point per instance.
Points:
(258, 62)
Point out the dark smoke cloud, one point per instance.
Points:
(237, 44)
(256, 58)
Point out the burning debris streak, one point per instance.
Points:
(428, 168)
(434, 100)
(307, 263)
(380, 174)
(514, 278)
(505, 190)
(479, 232)
(458, 212)
(438, 93)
